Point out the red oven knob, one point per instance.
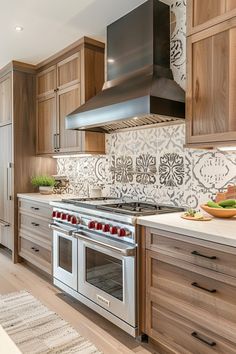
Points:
(68, 218)
(54, 214)
(113, 230)
(106, 228)
(121, 232)
(58, 214)
(91, 225)
(98, 226)
(63, 216)
(73, 220)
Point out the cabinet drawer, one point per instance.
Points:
(182, 336)
(198, 292)
(35, 225)
(35, 254)
(38, 209)
(198, 252)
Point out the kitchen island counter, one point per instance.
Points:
(222, 231)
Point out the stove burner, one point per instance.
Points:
(138, 208)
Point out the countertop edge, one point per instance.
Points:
(187, 232)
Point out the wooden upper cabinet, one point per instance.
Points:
(47, 82)
(63, 84)
(68, 71)
(211, 86)
(46, 133)
(6, 99)
(203, 14)
(68, 100)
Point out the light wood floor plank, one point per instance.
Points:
(107, 337)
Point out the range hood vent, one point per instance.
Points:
(140, 90)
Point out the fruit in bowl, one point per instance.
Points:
(224, 209)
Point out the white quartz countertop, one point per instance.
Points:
(45, 198)
(221, 231)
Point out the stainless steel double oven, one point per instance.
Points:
(99, 271)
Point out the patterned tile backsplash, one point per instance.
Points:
(152, 164)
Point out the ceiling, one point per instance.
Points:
(51, 25)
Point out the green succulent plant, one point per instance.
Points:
(43, 181)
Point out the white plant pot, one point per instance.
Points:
(45, 190)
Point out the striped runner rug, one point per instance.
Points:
(37, 330)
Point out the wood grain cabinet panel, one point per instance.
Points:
(6, 100)
(212, 298)
(211, 90)
(230, 5)
(46, 124)
(68, 100)
(176, 335)
(190, 250)
(202, 14)
(67, 81)
(35, 254)
(46, 82)
(205, 10)
(188, 293)
(68, 71)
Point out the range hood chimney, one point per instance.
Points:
(140, 89)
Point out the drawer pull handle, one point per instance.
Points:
(32, 248)
(36, 250)
(208, 342)
(34, 224)
(34, 208)
(202, 288)
(196, 253)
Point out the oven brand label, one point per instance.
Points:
(103, 300)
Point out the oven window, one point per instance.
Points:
(65, 254)
(104, 272)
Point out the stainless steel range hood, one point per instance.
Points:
(140, 89)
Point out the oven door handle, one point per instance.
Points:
(123, 251)
(60, 229)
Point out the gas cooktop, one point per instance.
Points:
(137, 208)
(133, 208)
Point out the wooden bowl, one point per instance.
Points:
(219, 212)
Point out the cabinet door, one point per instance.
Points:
(211, 93)
(46, 82)
(6, 186)
(46, 124)
(206, 13)
(5, 100)
(68, 71)
(68, 100)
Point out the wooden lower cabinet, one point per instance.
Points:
(188, 305)
(35, 237)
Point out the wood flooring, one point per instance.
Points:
(106, 336)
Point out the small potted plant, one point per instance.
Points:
(45, 184)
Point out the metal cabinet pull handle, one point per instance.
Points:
(36, 250)
(34, 224)
(196, 285)
(32, 248)
(208, 342)
(196, 253)
(54, 141)
(58, 142)
(9, 197)
(4, 223)
(34, 208)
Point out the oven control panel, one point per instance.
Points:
(103, 227)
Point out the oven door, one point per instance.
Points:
(65, 258)
(107, 275)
